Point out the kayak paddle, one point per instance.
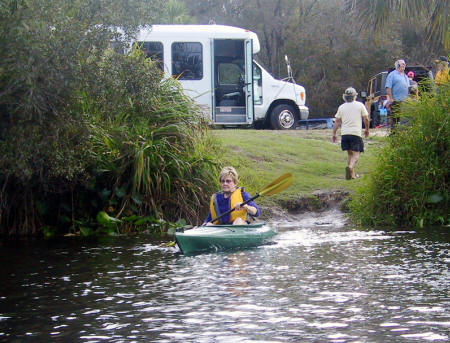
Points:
(276, 186)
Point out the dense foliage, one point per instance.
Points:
(410, 184)
(149, 141)
(84, 130)
(328, 42)
(377, 15)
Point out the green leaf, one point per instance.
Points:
(86, 231)
(109, 230)
(104, 219)
(420, 223)
(49, 231)
(131, 218)
(180, 222)
(105, 193)
(137, 199)
(144, 220)
(435, 198)
(120, 192)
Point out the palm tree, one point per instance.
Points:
(378, 15)
(176, 13)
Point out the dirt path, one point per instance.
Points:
(318, 202)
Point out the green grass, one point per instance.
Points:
(316, 164)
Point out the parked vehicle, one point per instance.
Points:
(376, 90)
(215, 66)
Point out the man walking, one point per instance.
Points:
(397, 86)
(349, 116)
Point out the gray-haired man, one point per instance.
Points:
(397, 86)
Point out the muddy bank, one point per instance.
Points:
(319, 202)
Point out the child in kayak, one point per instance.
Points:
(230, 197)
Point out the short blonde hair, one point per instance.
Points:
(229, 171)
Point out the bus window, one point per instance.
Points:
(154, 51)
(187, 60)
(257, 85)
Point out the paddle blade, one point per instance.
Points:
(278, 185)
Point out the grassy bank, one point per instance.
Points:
(262, 155)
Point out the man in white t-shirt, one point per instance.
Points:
(350, 116)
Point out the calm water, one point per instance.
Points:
(320, 282)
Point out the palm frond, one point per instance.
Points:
(379, 14)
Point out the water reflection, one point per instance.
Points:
(320, 282)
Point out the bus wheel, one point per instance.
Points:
(283, 117)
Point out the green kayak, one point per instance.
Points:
(223, 237)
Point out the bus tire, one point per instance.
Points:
(283, 117)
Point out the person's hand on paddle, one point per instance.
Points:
(250, 209)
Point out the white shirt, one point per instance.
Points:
(351, 114)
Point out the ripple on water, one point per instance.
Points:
(427, 336)
(320, 282)
(309, 237)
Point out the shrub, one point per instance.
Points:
(82, 130)
(152, 149)
(409, 186)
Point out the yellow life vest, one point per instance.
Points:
(236, 197)
(442, 76)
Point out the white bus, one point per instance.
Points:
(215, 66)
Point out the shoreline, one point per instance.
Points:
(320, 201)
